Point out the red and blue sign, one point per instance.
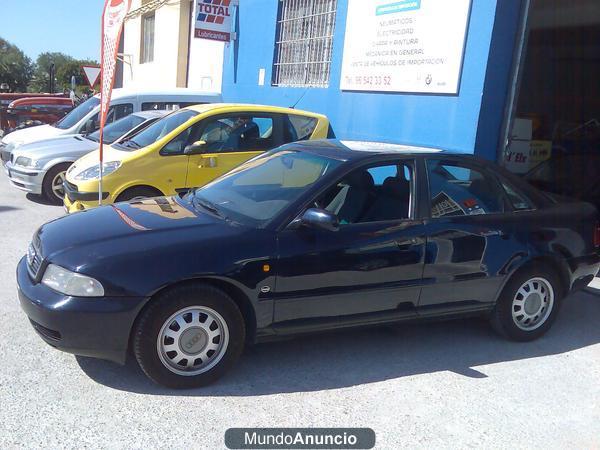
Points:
(213, 19)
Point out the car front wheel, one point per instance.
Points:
(52, 186)
(189, 336)
(528, 304)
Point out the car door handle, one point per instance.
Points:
(501, 233)
(404, 245)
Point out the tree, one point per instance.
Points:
(41, 78)
(16, 69)
(72, 68)
(65, 67)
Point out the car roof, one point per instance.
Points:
(118, 93)
(250, 107)
(355, 150)
(152, 113)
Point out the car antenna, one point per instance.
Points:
(301, 97)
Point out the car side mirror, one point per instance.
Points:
(320, 219)
(194, 148)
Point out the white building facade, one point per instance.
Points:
(159, 48)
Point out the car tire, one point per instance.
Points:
(175, 335)
(49, 185)
(528, 304)
(137, 192)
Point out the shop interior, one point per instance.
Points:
(555, 138)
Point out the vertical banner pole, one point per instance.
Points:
(113, 17)
(100, 176)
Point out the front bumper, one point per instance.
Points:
(76, 200)
(94, 327)
(28, 180)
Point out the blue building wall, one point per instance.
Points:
(448, 121)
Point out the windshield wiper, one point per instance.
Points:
(130, 144)
(208, 205)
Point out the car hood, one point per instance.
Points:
(157, 221)
(59, 146)
(92, 158)
(32, 134)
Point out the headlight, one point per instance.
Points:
(28, 162)
(71, 283)
(94, 172)
(23, 161)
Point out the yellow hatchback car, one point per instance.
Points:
(188, 148)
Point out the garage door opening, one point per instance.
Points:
(554, 141)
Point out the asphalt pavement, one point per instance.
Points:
(438, 385)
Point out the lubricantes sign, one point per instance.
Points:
(214, 19)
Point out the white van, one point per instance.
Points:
(84, 119)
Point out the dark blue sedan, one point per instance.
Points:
(308, 237)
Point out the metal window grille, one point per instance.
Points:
(304, 43)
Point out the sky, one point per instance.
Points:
(68, 26)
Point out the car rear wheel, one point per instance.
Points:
(528, 304)
(52, 186)
(189, 336)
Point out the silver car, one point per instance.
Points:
(40, 167)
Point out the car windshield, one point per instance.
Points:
(158, 129)
(115, 130)
(77, 114)
(254, 193)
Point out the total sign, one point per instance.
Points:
(414, 46)
(214, 19)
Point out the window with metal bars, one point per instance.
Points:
(304, 42)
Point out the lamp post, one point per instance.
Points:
(51, 73)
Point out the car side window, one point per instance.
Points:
(298, 128)
(458, 190)
(371, 194)
(122, 110)
(115, 112)
(238, 133)
(382, 173)
(178, 144)
(518, 201)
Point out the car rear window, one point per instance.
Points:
(299, 128)
(460, 190)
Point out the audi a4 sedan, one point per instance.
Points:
(312, 236)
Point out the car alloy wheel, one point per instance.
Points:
(58, 189)
(192, 341)
(532, 304)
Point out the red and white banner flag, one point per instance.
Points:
(112, 27)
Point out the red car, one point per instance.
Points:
(7, 98)
(36, 111)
